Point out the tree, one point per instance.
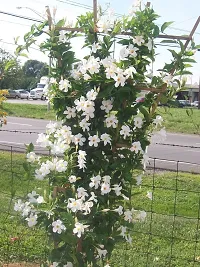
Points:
(10, 70)
(33, 70)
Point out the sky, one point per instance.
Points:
(184, 13)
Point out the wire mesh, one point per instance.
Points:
(169, 236)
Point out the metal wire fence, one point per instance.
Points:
(169, 236)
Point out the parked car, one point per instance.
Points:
(195, 104)
(36, 94)
(23, 93)
(12, 94)
(185, 103)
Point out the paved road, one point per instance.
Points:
(25, 101)
(168, 154)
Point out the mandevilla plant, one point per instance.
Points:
(98, 146)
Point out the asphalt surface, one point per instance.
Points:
(178, 151)
(25, 101)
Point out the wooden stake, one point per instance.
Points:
(192, 32)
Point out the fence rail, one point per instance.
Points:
(169, 236)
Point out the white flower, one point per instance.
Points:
(80, 103)
(91, 95)
(125, 131)
(117, 188)
(82, 193)
(40, 200)
(81, 159)
(74, 204)
(107, 265)
(64, 85)
(84, 125)
(31, 157)
(111, 71)
(95, 47)
(32, 220)
(93, 140)
(79, 229)
(124, 53)
(93, 197)
(19, 205)
(78, 139)
(105, 188)
(93, 65)
(106, 139)
(32, 197)
(145, 160)
(70, 112)
(106, 179)
(136, 147)
(138, 122)
(43, 140)
(106, 105)
(139, 40)
(119, 80)
(72, 179)
(103, 26)
(87, 207)
(119, 210)
(129, 72)
(128, 215)
(168, 79)
(132, 50)
(123, 231)
(111, 121)
(58, 226)
(69, 264)
(107, 62)
(61, 166)
(95, 181)
(86, 77)
(88, 109)
(149, 195)
(158, 121)
(62, 37)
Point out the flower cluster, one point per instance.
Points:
(98, 148)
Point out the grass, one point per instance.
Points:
(162, 240)
(29, 111)
(179, 120)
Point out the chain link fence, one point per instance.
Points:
(169, 236)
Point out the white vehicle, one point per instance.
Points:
(38, 92)
(195, 104)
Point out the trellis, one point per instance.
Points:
(159, 91)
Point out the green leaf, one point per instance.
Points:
(30, 147)
(166, 25)
(156, 31)
(174, 54)
(60, 23)
(169, 41)
(189, 60)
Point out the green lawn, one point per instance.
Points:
(29, 111)
(180, 120)
(162, 240)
